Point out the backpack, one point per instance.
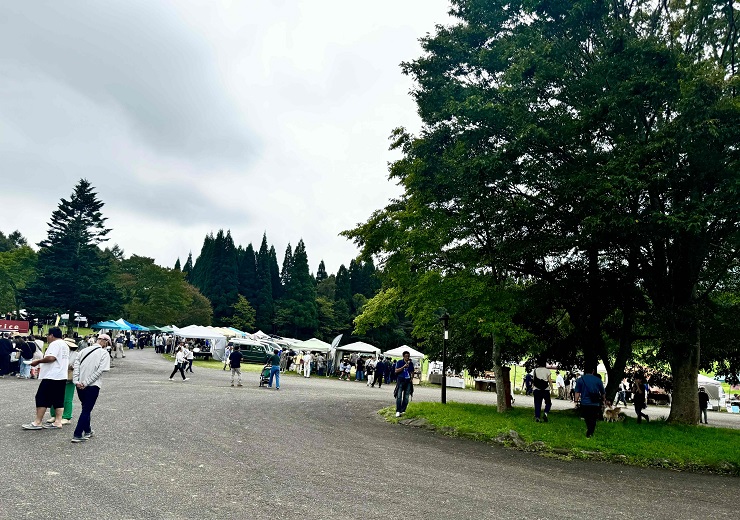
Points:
(540, 384)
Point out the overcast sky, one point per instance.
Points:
(189, 117)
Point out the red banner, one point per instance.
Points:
(14, 326)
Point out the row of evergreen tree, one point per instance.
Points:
(287, 300)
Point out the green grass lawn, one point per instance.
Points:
(648, 444)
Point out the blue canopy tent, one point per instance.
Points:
(110, 325)
(131, 326)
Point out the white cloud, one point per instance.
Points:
(193, 116)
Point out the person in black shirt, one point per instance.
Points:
(703, 404)
(235, 359)
(380, 370)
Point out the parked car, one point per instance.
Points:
(252, 351)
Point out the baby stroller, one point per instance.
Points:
(265, 374)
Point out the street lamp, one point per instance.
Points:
(445, 319)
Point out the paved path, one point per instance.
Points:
(316, 449)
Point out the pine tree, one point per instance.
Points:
(264, 305)
(298, 309)
(321, 273)
(247, 273)
(224, 287)
(177, 264)
(277, 287)
(287, 266)
(188, 267)
(73, 274)
(344, 288)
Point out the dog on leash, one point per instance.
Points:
(612, 414)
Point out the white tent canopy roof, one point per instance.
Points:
(197, 331)
(360, 346)
(704, 380)
(398, 352)
(313, 345)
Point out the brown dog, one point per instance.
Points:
(612, 414)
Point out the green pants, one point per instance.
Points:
(69, 394)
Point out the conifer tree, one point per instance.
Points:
(264, 305)
(188, 267)
(321, 273)
(177, 264)
(247, 272)
(298, 310)
(277, 287)
(287, 266)
(73, 274)
(344, 288)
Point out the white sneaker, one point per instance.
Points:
(186, 379)
(398, 414)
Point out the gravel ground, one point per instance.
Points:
(316, 449)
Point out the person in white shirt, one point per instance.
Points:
(560, 383)
(189, 356)
(179, 364)
(89, 366)
(307, 358)
(53, 377)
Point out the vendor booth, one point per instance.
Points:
(359, 347)
(312, 345)
(217, 341)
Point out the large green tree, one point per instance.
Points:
(298, 310)
(17, 270)
(264, 303)
(73, 274)
(152, 294)
(589, 145)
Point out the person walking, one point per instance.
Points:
(53, 380)
(189, 356)
(179, 365)
(703, 404)
(542, 383)
(639, 398)
(404, 369)
(590, 392)
(274, 359)
(380, 369)
(235, 360)
(622, 393)
(119, 346)
(88, 367)
(528, 384)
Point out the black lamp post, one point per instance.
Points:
(445, 319)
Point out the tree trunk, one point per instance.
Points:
(685, 369)
(498, 370)
(616, 371)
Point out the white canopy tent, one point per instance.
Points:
(714, 389)
(360, 347)
(313, 345)
(398, 352)
(218, 341)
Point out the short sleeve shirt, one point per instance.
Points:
(406, 374)
(236, 359)
(58, 369)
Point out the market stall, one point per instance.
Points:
(217, 341)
